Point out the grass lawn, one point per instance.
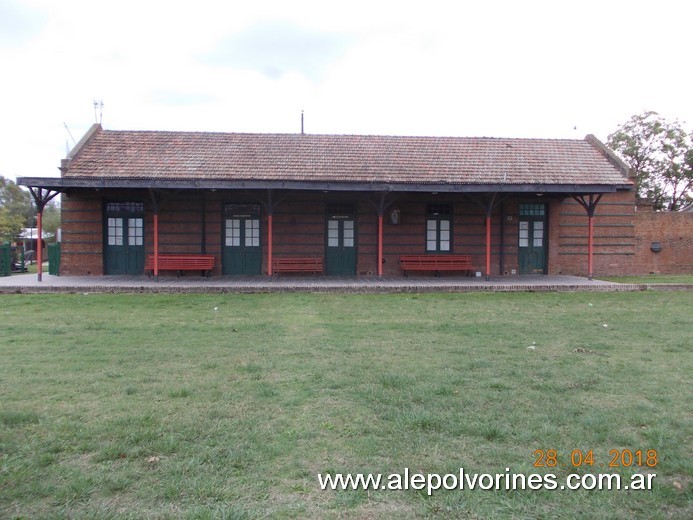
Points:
(228, 406)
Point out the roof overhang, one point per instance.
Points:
(64, 184)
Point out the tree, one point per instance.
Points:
(51, 219)
(660, 152)
(16, 211)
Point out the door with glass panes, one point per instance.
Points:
(439, 228)
(340, 254)
(124, 238)
(242, 253)
(532, 239)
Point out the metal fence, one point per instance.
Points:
(54, 259)
(5, 259)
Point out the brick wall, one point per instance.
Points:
(468, 231)
(614, 236)
(674, 232)
(82, 234)
(193, 222)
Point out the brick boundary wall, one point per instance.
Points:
(674, 232)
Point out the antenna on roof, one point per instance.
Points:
(301, 122)
(67, 144)
(98, 116)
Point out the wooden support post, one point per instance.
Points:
(380, 207)
(203, 223)
(590, 206)
(41, 198)
(156, 246)
(269, 207)
(156, 205)
(39, 244)
(488, 246)
(380, 245)
(486, 203)
(590, 246)
(270, 240)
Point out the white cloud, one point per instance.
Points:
(278, 48)
(504, 68)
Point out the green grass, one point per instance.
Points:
(160, 406)
(651, 278)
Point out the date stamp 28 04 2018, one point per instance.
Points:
(585, 458)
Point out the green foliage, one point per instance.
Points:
(15, 209)
(17, 212)
(10, 225)
(660, 152)
(51, 219)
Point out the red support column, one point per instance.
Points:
(590, 206)
(156, 246)
(270, 240)
(488, 247)
(590, 246)
(41, 198)
(39, 244)
(380, 246)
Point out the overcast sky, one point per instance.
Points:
(483, 68)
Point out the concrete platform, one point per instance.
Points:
(28, 283)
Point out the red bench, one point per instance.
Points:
(182, 262)
(435, 263)
(297, 264)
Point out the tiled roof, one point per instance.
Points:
(157, 155)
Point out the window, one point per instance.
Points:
(242, 225)
(332, 233)
(115, 231)
(538, 235)
(531, 232)
(125, 207)
(252, 233)
(135, 232)
(241, 210)
(439, 228)
(124, 223)
(341, 210)
(341, 225)
(524, 234)
(233, 232)
(532, 210)
(348, 233)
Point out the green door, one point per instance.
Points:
(340, 255)
(124, 249)
(242, 253)
(532, 239)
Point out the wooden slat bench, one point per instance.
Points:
(297, 264)
(436, 263)
(181, 262)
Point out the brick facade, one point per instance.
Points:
(82, 234)
(440, 186)
(193, 222)
(614, 236)
(191, 176)
(674, 232)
